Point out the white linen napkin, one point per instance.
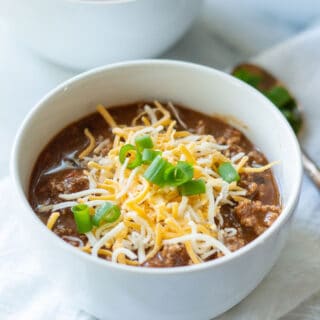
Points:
(26, 292)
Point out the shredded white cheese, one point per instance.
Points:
(125, 251)
(211, 241)
(80, 194)
(109, 235)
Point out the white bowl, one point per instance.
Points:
(84, 34)
(113, 291)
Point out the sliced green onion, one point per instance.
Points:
(294, 118)
(148, 155)
(108, 212)
(248, 77)
(127, 149)
(124, 152)
(192, 187)
(144, 142)
(82, 218)
(291, 106)
(228, 172)
(179, 174)
(279, 96)
(155, 172)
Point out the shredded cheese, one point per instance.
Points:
(127, 252)
(80, 194)
(258, 169)
(54, 216)
(211, 204)
(165, 112)
(211, 241)
(195, 259)
(152, 217)
(109, 235)
(106, 116)
(91, 238)
(90, 147)
(177, 116)
(187, 154)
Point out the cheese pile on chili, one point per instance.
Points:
(148, 214)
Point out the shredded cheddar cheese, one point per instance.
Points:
(152, 217)
(54, 216)
(195, 259)
(258, 169)
(106, 116)
(91, 145)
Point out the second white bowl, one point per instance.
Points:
(85, 34)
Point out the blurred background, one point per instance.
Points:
(44, 42)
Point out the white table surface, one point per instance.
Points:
(220, 37)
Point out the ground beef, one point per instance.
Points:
(230, 136)
(64, 181)
(72, 181)
(106, 145)
(234, 139)
(62, 229)
(270, 218)
(200, 128)
(256, 157)
(170, 256)
(234, 243)
(259, 187)
(247, 182)
(233, 136)
(256, 215)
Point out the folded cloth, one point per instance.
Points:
(27, 292)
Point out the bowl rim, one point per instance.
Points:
(280, 221)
